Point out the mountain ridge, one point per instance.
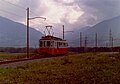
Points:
(103, 31)
(13, 34)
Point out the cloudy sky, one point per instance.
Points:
(71, 13)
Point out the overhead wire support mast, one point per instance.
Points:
(27, 32)
(65, 32)
(80, 39)
(28, 29)
(85, 41)
(96, 40)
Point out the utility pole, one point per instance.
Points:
(80, 39)
(96, 40)
(85, 49)
(112, 42)
(28, 18)
(110, 38)
(85, 41)
(63, 32)
(27, 32)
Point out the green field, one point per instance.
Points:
(86, 68)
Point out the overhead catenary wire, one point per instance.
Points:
(8, 12)
(13, 14)
(21, 7)
(34, 22)
(16, 5)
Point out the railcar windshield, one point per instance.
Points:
(45, 43)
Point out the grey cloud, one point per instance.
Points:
(95, 10)
(103, 9)
(67, 4)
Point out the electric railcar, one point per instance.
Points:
(50, 45)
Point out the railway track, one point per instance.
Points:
(31, 58)
(25, 59)
(20, 60)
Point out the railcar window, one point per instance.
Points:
(40, 43)
(60, 43)
(64, 44)
(48, 43)
(44, 44)
(57, 44)
(52, 43)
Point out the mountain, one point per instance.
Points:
(103, 33)
(13, 34)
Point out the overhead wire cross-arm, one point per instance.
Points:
(69, 31)
(37, 17)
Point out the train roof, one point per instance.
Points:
(48, 37)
